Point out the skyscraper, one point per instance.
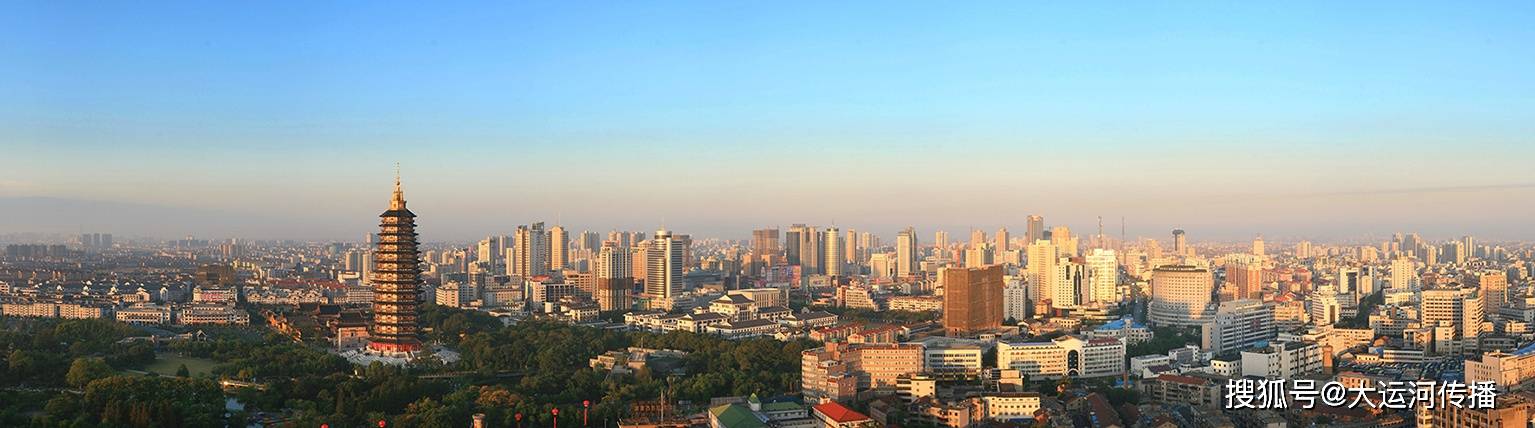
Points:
(834, 250)
(1103, 276)
(1041, 266)
(396, 274)
(1180, 295)
(614, 277)
(972, 299)
(664, 279)
(1003, 244)
(792, 241)
(1404, 273)
(977, 238)
(1036, 229)
(765, 242)
(530, 255)
(1494, 287)
(906, 253)
(1180, 243)
(809, 248)
(559, 248)
(940, 239)
(1245, 274)
(1065, 243)
(1258, 249)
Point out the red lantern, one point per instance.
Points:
(324, 425)
(518, 416)
(555, 411)
(586, 403)
(382, 424)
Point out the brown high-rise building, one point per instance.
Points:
(1036, 230)
(615, 279)
(765, 242)
(396, 275)
(972, 299)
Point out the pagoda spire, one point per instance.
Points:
(398, 201)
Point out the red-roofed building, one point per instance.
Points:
(835, 415)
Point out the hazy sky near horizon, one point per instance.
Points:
(1299, 119)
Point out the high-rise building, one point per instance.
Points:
(853, 251)
(1036, 229)
(1015, 300)
(906, 253)
(1244, 273)
(941, 239)
(1180, 243)
(1237, 325)
(559, 248)
(1258, 246)
(396, 275)
(1103, 276)
(1461, 307)
(810, 249)
(977, 238)
(1003, 245)
(834, 250)
(765, 242)
(1404, 273)
(664, 279)
(530, 252)
(1180, 295)
(792, 240)
(1494, 286)
(979, 256)
(1455, 252)
(1303, 250)
(1065, 243)
(972, 299)
(615, 278)
(1070, 288)
(1042, 259)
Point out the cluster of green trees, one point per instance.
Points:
(88, 380)
(73, 373)
(38, 352)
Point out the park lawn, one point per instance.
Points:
(166, 364)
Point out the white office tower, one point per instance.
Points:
(1238, 325)
(1180, 295)
(1070, 288)
(664, 279)
(1015, 300)
(906, 253)
(530, 255)
(1404, 273)
(882, 265)
(1103, 276)
(1041, 267)
(834, 250)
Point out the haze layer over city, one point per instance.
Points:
(767, 215)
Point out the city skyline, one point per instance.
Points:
(718, 119)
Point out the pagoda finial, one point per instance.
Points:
(398, 201)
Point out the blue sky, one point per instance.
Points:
(1292, 119)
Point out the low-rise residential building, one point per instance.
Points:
(1182, 389)
(1066, 356)
(1126, 328)
(1283, 360)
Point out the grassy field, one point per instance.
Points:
(166, 364)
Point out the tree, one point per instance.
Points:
(182, 371)
(86, 369)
